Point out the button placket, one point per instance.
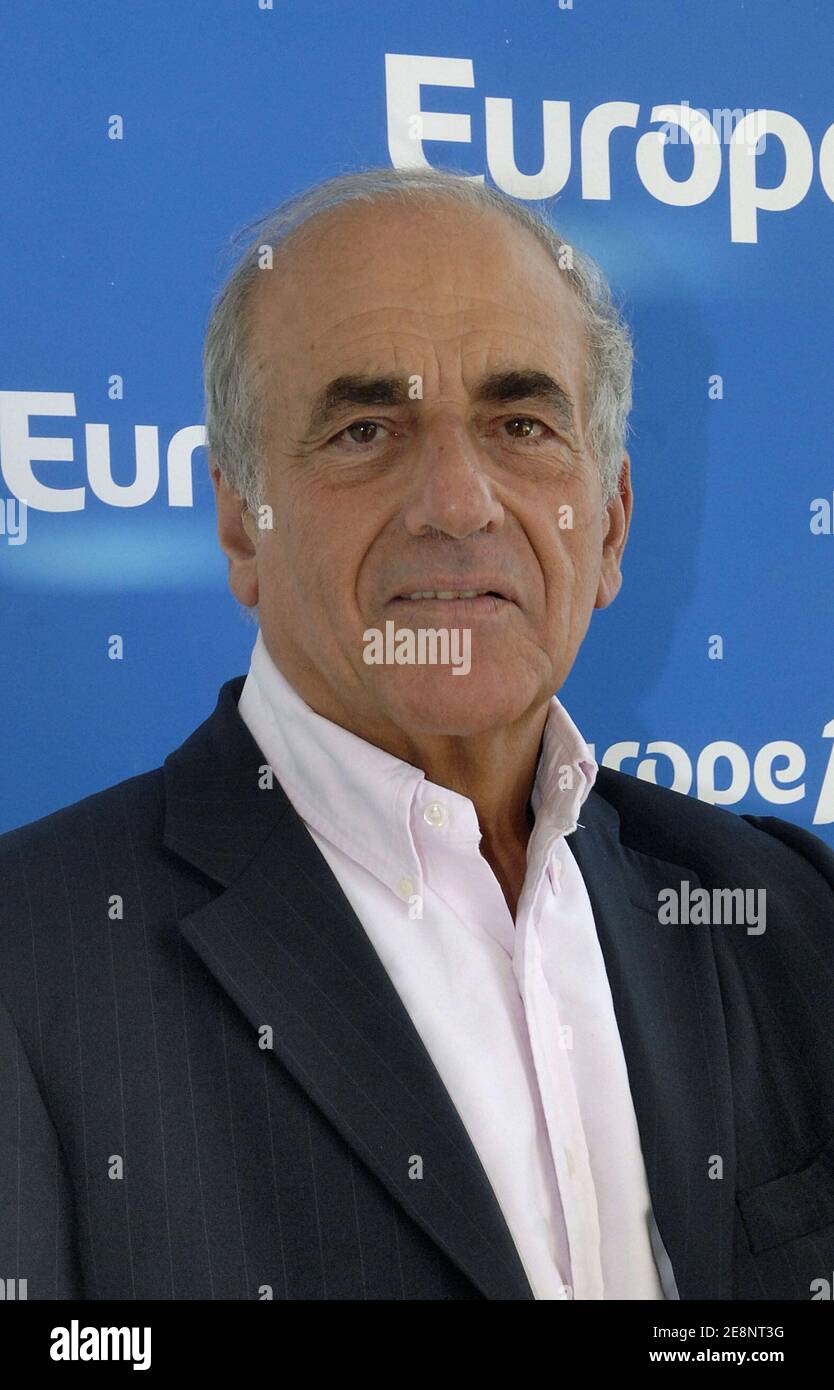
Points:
(556, 1084)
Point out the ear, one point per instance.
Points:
(618, 520)
(237, 530)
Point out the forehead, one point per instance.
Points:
(427, 287)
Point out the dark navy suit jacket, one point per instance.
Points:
(153, 1147)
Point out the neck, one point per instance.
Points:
(496, 771)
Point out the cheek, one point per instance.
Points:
(296, 541)
(571, 574)
(318, 548)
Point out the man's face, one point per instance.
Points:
(426, 411)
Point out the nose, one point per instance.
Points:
(451, 490)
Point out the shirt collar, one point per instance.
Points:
(364, 801)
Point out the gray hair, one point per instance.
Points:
(234, 379)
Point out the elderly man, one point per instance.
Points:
(369, 992)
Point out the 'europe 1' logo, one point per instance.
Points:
(19, 449)
(776, 772)
(410, 124)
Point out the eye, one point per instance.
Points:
(526, 422)
(363, 425)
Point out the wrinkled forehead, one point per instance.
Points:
(387, 287)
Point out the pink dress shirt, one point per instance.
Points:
(516, 1016)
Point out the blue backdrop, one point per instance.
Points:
(136, 137)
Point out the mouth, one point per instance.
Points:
(484, 590)
(462, 603)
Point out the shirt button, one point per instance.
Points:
(436, 814)
(406, 888)
(570, 1162)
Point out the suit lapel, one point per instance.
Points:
(284, 943)
(668, 1007)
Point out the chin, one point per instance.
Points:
(431, 700)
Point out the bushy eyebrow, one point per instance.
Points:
(499, 388)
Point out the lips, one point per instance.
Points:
(448, 594)
(444, 590)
